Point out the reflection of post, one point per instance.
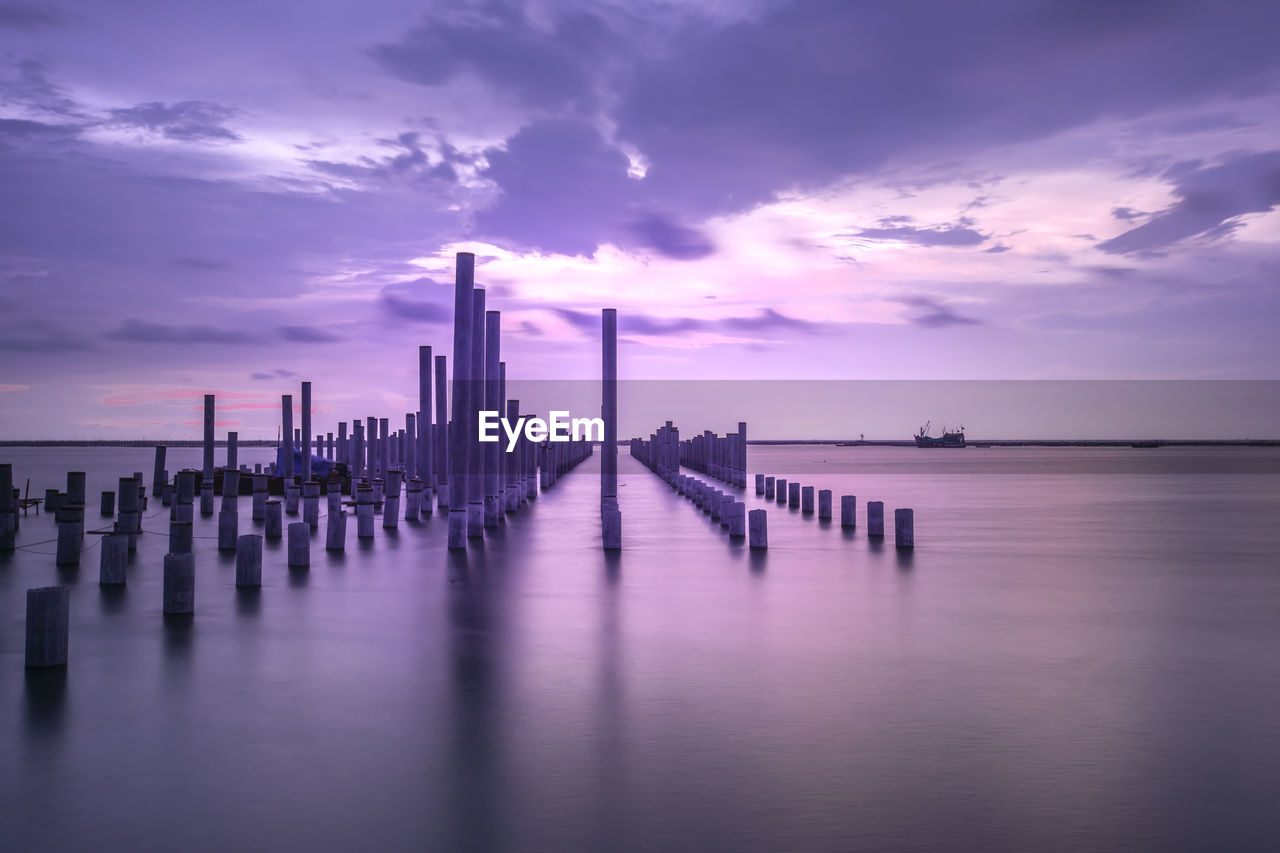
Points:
(48, 626)
(476, 456)
(208, 438)
(459, 436)
(306, 431)
(492, 403)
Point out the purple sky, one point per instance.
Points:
(228, 196)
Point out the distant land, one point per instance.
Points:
(847, 442)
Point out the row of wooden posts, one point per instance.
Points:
(796, 496)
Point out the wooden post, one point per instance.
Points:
(609, 407)
(611, 528)
(311, 503)
(286, 436)
(275, 520)
(793, 495)
(228, 529)
(781, 490)
(299, 545)
(158, 475)
(364, 512)
(768, 488)
(207, 470)
(759, 484)
(306, 432)
(512, 461)
(806, 500)
(48, 626)
(179, 584)
(108, 506)
(493, 403)
(336, 531)
(476, 455)
(824, 505)
(180, 537)
(848, 512)
(461, 434)
(249, 560)
(8, 510)
(391, 503)
(70, 521)
(738, 520)
(759, 529)
(875, 519)
(115, 556)
(259, 497)
(230, 489)
(904, 528)
(233, 451)
(440, 435)
(206, 496)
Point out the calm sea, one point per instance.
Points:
(1082, 653)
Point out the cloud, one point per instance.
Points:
(395, 302)
(934, 314)
(28, 16)
(549, 67)
(278, 373)
(309, 335)
(1210, 201)
(8, 389)
(997, 249)
(635, 323)
(25, 83)
(671, 239)
(187, 121)
(143, 332)
(946, 235)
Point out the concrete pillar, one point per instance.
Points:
(48, 626)
(8, 510)
(286, 436)
(758, 533)
(738, 520)
(249, 560)
(233, 451)
(357, 452)
(904, 528)
(333, 499)
(410, 465)
(292, 495)
(875, 519)
(70, 521)
(306, 432)
(311, 503)
(609, 405)
(726, 509)
(115, 557)
(384, 447)
(166, 495)
(512, 462)
(824, 505)
(275, 520)
(299, 546)
(781, 490)
(476, 458)
(230, 490)
(440, 435)
(158, 476)
(793, 495)
(364, 513)
(768, 488)
(179, 584)
(108, 507)
(425, 450)
(611, 527)
(335, 538)
(413, 499)
(391, 503)
(461, 433)
(228, 529)
(259, 497)
(806, 500)
(342, 455)
(206, 497)
(180, 537)
(759, 484)
(207, 469)
(493, 508)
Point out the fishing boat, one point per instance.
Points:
(948, 439)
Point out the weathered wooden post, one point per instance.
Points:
(781, 490)
(230, 490)
(611, 528)
(292, 495)
(158, 475)
(179, 584)
(311, 503)
(275, 520)
(48, 626)
(206, 496)
(333, 499)
(207, 469)
(115, 556)
(183, 508)
(461, 433)
(413, 499)
(806, 500)
(343, 455)
(726, 509)
(609, 407)
(249, 560)
(306, 432)
(228, 529)
(875, 519)
(299, 545)
(759, 529)
(384, 447)
(180, 537)
(424, 448)
(476, 455)
(166, 495)
(336, 531)
(286, 436)
(512, 460)
(904, 528)
(364, 512)
(492, 392)
(108, 506)
(824, 505)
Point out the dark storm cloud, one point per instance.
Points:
(728, 116)
(1210, 201)
(309, 335)
(143, 332)
(670, 238)
(549, 67)
(934, 314)
(29, 16)
(187, 121)
(894, 228)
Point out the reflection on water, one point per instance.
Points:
(1064, 662)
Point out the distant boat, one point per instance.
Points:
(949, 439)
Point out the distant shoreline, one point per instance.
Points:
(765, 442)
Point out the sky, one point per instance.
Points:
(229, 197)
